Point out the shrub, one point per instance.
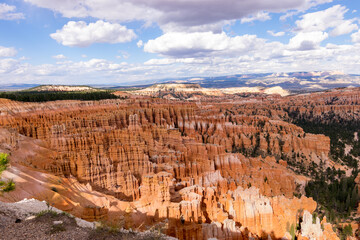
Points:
(4, 161)
(45, 212)
(9, 186)
(346, 232)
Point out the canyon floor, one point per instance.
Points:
(194, 163)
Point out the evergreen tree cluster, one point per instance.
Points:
(339, 134)
(53, 96)
(338, 197)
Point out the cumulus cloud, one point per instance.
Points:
(355, 37)
(315, 27)
(180, 44)
(7, 52)
(8, 65)
(312, 3)
(276, 34)
(176, 14)
(80, 34)
(269, 57)
(167, 61)
(260, 16)
(140, 43)
(307, 5)
(288, 15)
(344, 27)
(7, 12)
(193, 41)
(331, 18)
(60, 56)
(307, 40)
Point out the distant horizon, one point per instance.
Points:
(154, 81)
(292, 81)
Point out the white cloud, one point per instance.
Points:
(315, 27)
(83, 55)
(331, 18)
(48, 70)
(7, 12)
(140, 43)
(288, 15)
(60, 56)
(307, 40)
(80, 34)
(267, 57)
(260, 16)
(355, 37)
(276, 34)
(216, 27)
(7, 52)
(182, 44)
(8, 65)
(175, 15)
(167, 61)
(344, 28)
(23, 58)
(193, 43)
(162, 61)
(307, 5)
(313, 3)
(96, 65)
(124, 54)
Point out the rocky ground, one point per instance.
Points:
(19, 221)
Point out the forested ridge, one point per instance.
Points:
(53, 96)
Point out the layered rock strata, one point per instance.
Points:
(207, 170)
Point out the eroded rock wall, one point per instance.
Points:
(218, 166)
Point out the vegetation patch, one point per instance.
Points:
(337, 198)
(336, 193)
(340, 134)
(9, 186)
(48, 212)
(53, 96)
(5, 186)
(345, 231)
(56, 228)
(4, 161)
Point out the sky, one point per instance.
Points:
(125, 41)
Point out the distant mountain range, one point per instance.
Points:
(16, 86)
(293, 81)
(63, 88)
(195, 91)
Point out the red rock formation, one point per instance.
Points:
(221, 166)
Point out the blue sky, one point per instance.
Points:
(117, 41)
